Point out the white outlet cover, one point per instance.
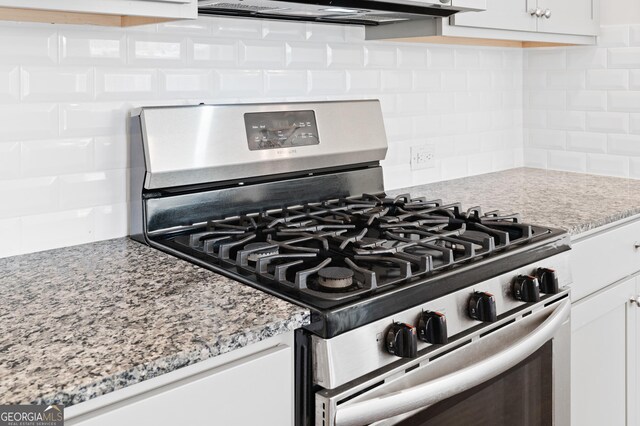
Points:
(423, 157)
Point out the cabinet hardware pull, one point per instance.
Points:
(636, 245)
(547, 13)
(636, 301)
(536, 12)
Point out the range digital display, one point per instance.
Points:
(282, 129)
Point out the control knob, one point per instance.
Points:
(548, 279)
(482, 307)
(402, 340)
(432, 327)
(526, 288)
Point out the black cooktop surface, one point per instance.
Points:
(359, 259)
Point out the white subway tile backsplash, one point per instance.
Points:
(609, 122)
(306, 55)
(11, 231)
(614, 36)
(92, 47)
(126, 83)
(9, 83)
(93, 119)
(534, 157)
(624, 57)
(151, 49)
(607, 79)
(586, 58)
(381, 56)
(546, 99)
(624, 101)
(240, 82)
(289, 82)
(549, 139)
(634, 123)
(634, 37)
(66, 92)
(587, 142)
(566, 120)
(345, 55)
(55, 157)
(28, 44)
(634, 168)
(586, 100)
(92, 189)
(624, 145)
(9, 160)
(58, 229)
(28, 121)
(212, 53)
(609, 165)
(25, 196)
(634, 79)
(195, 83)
(567, 161)
(564, 80)
(546, 59)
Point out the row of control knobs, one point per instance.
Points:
(402, 339)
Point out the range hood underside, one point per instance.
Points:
(358, 12)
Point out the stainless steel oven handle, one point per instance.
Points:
(426, 394)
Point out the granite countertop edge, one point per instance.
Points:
(161, 366)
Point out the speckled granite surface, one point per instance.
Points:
(572, 201)
(83, 321)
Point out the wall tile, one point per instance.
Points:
(236, 28)
(9, 160)
(381, 56)
(546, 59)
(586, 58)
(92, 189)
(564, 80)
(110, 221)
(585, 100)
(567, 161)
(345, 55)
(126, 83)
(57, 229)
(154, 50)
(624, 145)
(11, 231)
(364, 80)
(240, 82)
(93, 47)
(55, 157)
(262, 54)
(411, 57)
(28, 121)
(634, 123)
(277, 30)
(206, 52)
(395, 80)
(587, 142)
(607, 79)
(614, 36)
(550, 139)
(111, 152)
(27, 196)
(306, 55)
(28, 44)
(441, 58)
(9, 83)
(624, 101)
(279, 82)
(195, 83)
(624, 57)
(99, 119)
(566, 120)
(609, 165)
(609, 122)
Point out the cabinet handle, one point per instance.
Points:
(636, 245)
(636, 301)
(536, 12)
(547, 13)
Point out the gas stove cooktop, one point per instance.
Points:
(284, 197)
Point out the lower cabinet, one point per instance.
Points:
(605, 357)
(253, 390)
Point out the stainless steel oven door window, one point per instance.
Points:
(516, 372)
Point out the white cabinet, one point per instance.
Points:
(98, 12)
(605, 322)
(603, 355)
(524, 23)
(254, 389)
(578, 17)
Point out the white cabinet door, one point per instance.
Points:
(257, 390)
(500, 14)
(569, 17)
(602, 339)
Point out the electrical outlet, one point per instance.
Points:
(423, 157)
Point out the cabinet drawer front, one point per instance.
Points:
(604, 259)
(257, 390)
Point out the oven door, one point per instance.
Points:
(515, 372)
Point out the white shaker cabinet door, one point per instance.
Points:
(569, 17)
(257, 390)
(602, 339)
(501, 14)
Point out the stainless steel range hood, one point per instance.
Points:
(359, 12)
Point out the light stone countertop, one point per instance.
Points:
(574, 202)
(83, 321)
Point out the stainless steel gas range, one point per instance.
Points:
(422, 312)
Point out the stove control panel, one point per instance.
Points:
(281, 129)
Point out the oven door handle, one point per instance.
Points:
(426, 394)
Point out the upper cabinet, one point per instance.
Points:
(508, 22)
(98, 12)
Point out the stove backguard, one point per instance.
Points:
(190, 164)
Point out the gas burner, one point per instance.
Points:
(335, 277)
(260, 250)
